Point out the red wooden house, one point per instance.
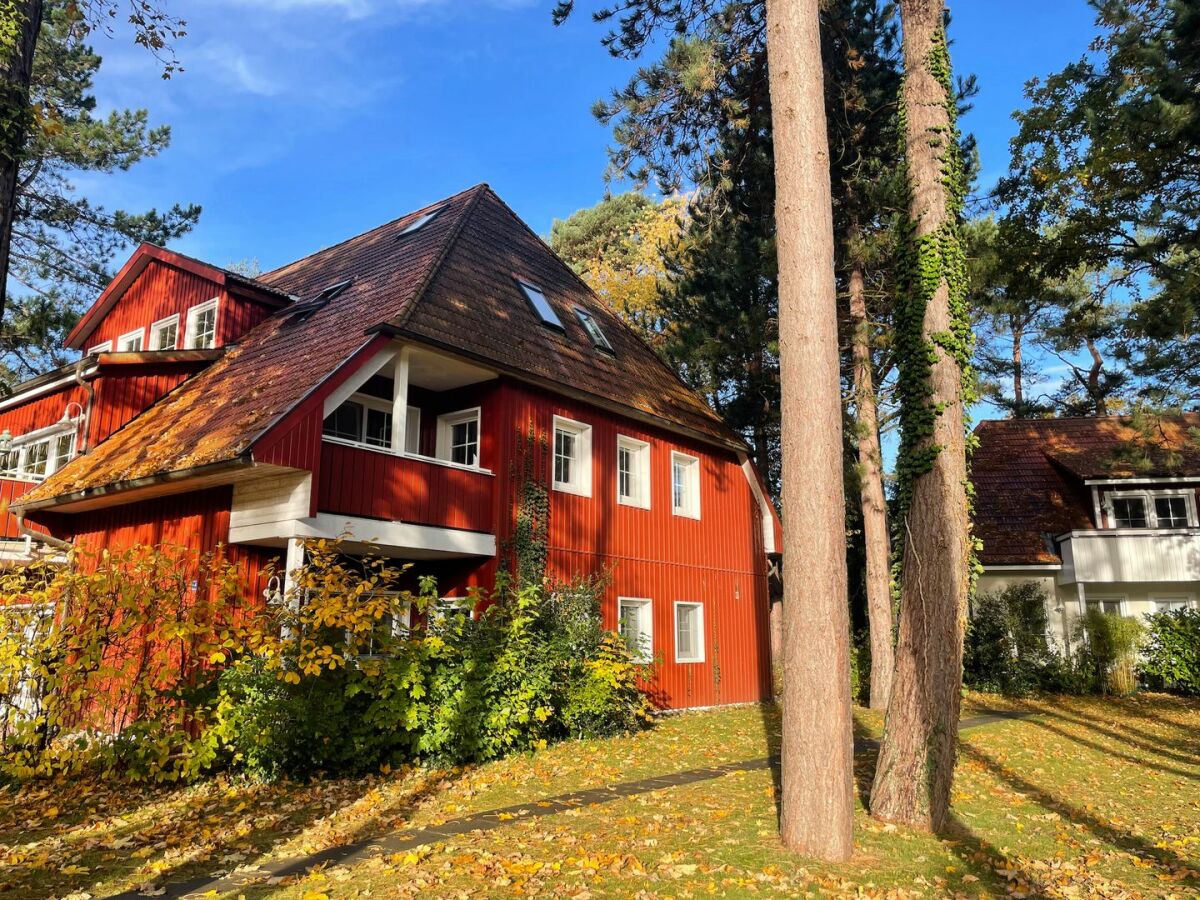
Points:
(382, 390)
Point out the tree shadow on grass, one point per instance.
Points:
(1112, 752)
(1185, 751)
(1163, 858)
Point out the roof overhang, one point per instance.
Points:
(122, 492)
(1144, 479)
(137, 263)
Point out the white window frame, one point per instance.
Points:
(700, 656)
(366, 401)
(1148, 497)
(1100, 599)
(103, 347)
(48, 436)
(445, 434)
(1188, 600)
(691, 509)
(401, 624)
(139, 335)
(161, 324)
(645, 621)
(193, 314)
(639, 471)
(540, 303)
(580, 482)
(593, 329)
(412, 430)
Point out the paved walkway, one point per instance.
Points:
(411, 838)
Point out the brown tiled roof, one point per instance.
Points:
(450, 283)
(1029, 475)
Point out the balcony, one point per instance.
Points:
(1130, 555)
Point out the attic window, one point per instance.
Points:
(420, 222)
(592, 327)
(540, 304)
(298, 312)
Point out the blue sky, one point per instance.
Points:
(298, 123)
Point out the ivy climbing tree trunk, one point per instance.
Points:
(916, 760)
(877, 544)
(18, 40)
(817, 766)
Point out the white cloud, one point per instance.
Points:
(234, 68)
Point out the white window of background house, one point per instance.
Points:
(685, 485)
(635, 619)
(1110, 606)
(572, 457)
(1172, 603)
(458, 437)
(1152, 509)
(202, 326)
(164, 334)
(633, 472)
(689, 632)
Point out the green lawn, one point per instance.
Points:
(1088, 798)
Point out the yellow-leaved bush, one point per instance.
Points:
(151, 664)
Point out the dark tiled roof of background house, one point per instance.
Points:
(1029, 475)
(451, 282)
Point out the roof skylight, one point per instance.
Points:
(540, 304)
(420, 222)
(592, 327)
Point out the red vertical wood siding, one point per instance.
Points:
(42, 411)
(717, 560)
(359, 482)
(163, 290)
(10, 490)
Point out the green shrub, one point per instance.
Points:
(1171, 653)
(1108, 651)
(1007, 650)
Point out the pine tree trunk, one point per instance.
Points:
(1093, 379)
(817, 763)
(1018, 333)
(16, 72)
(916, 760)
(874, 506)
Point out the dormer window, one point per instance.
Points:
(592, 327)
(420, 222)
(164, 334)
(202, 326)
(106, 347)
(540, 304)
(1151, 509)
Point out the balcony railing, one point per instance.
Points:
(1131, 555)
(357, 481)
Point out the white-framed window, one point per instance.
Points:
(633, 472)
(412, 430)
(202, 326)
(685, 485)
(105, 347)
(164, 334)
(635, 619)
(39, 454)
(689, 632)
(395, 625)
(362, 419)
(572, 457)
(541, 306)
(1151, 509)
(592, 327)
(1173, 602)
(131, 342)
(458, 437)
(1109, 605)
(445, 609)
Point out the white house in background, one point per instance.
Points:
(1101, 511)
